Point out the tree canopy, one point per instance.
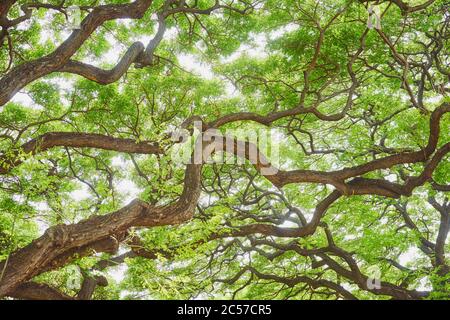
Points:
(105, 107)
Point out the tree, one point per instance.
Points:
(352, 94)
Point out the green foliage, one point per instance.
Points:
(253, 62)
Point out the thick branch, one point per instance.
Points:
(105, 76)
(76, 140)
(25, 73)
(38, 291)
(29, 261)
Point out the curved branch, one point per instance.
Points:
(29, 261)
(405, 7)
(357, 186)
(105, 76)
(25, 73)
(313, 283)
(271, 230)
(76, 140)
(88, 286)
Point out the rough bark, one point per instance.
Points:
(76, 140)
(38, 291)
(29, 261)
(27, 72)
